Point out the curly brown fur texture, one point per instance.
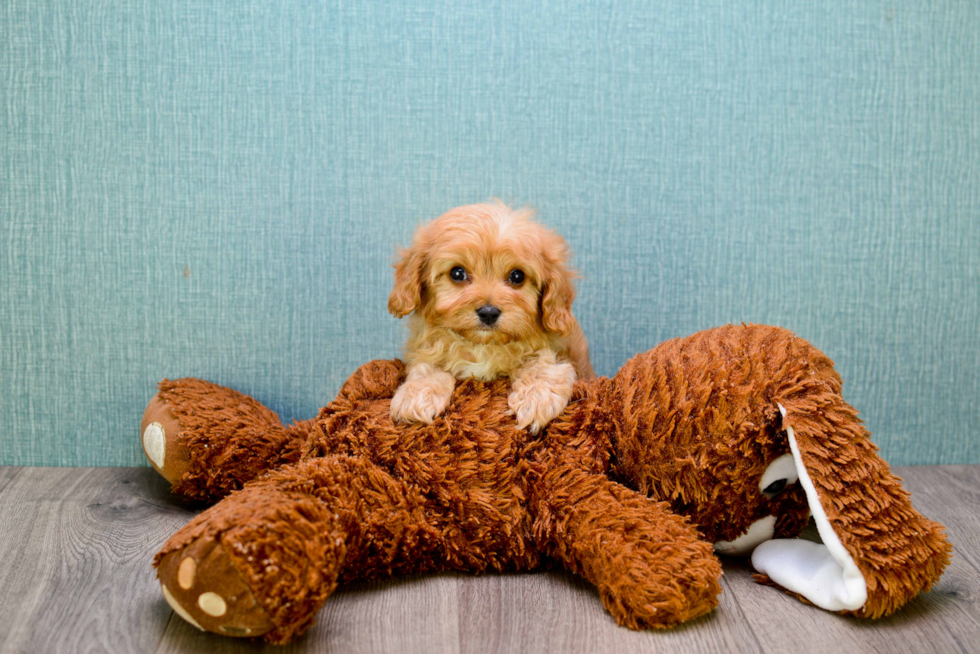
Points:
(700, 424)
(690, 425)
(233, 437)
(713, 397)
(455, 495)
(899, 552)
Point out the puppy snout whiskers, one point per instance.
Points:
(488, 314)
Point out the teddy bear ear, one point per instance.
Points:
(877, 551)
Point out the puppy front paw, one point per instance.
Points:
(540, 393)
(423, 397)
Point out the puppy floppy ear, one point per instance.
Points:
(406, 296)
(557, 294)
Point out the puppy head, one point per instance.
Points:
(488, 273)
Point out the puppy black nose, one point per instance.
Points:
(488, 314)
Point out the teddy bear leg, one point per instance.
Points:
(259, 563)
(208, 440)
(650, 566)
(264, 560)
(877, 551)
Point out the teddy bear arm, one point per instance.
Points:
(650, 566)
(208, 440)
(374, 380)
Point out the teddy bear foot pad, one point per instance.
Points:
(203, 587)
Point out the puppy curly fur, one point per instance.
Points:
(465, 261)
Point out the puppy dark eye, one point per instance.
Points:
(774, 487)
(516, 277)
(457, 274)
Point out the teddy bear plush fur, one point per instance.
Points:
(716, 442)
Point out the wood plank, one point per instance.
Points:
(950, 495)
(7, 474)
(930, 623)
(943, 620)
(560, 612)
(414, 615)
(76, 545)
(530, 612)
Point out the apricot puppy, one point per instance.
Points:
(490, 296)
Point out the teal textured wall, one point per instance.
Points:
(215, 188)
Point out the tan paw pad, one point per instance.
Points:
(204, 587)
(212, 604)
(185, 573)
(155, 443)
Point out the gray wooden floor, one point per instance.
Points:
(75, 576)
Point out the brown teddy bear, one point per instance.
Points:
(712, 443)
